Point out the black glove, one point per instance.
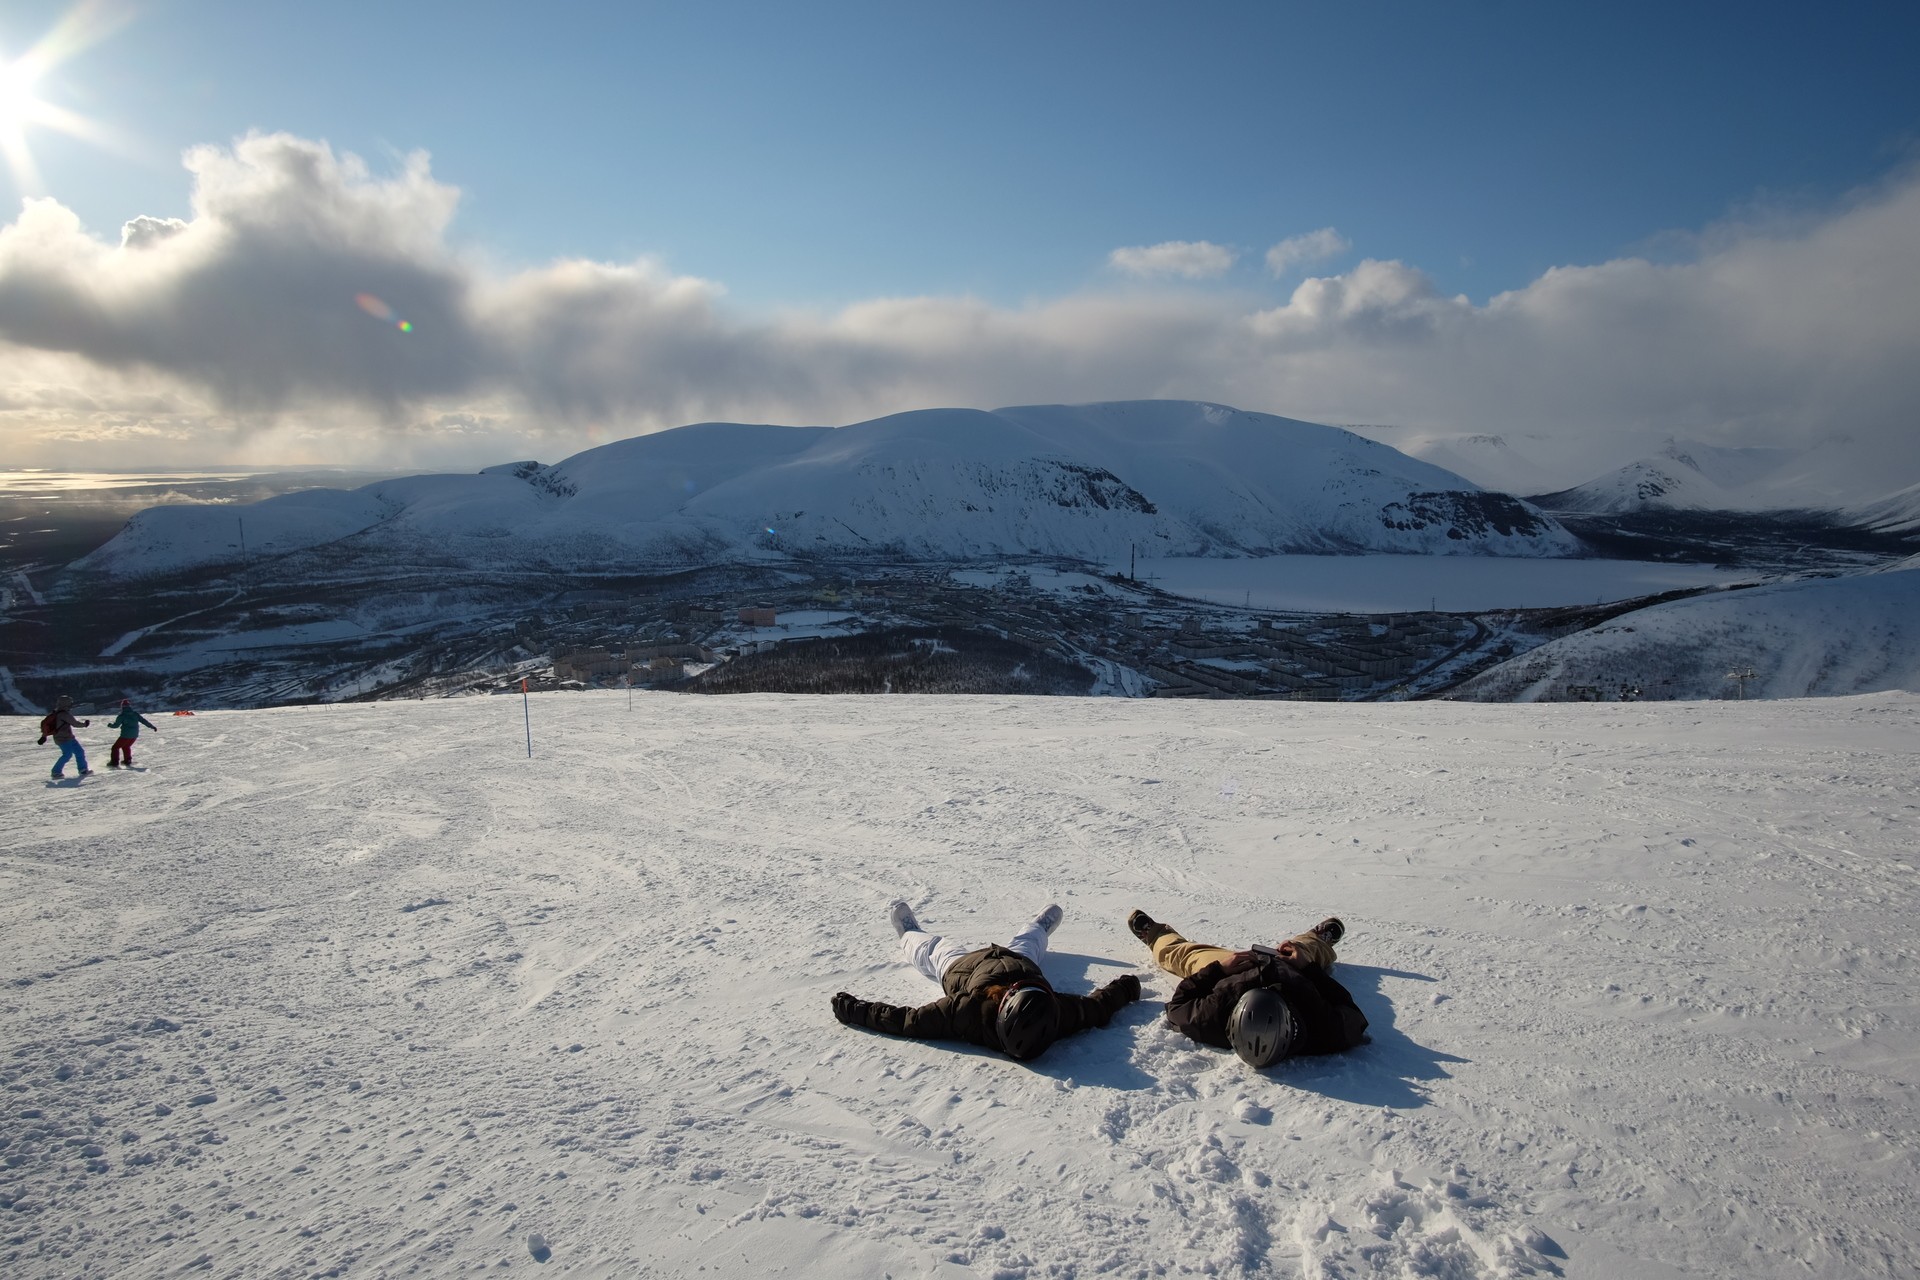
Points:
(1121, 992)
(849, 1008)
(42, 742)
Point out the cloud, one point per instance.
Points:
(234, 334)
(1190, 259)
(144, 230)
(1313, 246)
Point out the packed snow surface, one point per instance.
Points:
(1408, 584)
(364, 991)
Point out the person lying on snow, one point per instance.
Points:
(1266, 1003)
(995, 996)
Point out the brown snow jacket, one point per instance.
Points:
(63, 723)
(970, 1009)
(1325, 1018)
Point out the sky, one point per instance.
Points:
(1591, 228)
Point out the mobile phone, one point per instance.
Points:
(1261, 948)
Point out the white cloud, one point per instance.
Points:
(145, 230)
(1190, 259)
(236, 335)
(1313, 246)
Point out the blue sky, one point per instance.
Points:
(1597, 224)
(820, 153)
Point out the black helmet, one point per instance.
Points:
(1260, 1029)
(62, 702)
(1028, 1022)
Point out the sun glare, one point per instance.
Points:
(22, 107)
(16, 94)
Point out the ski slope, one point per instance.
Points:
(364, 991)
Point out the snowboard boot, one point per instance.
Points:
(1145, 927)
(1330, 930)
(1049, 919)
(113, 764)
(902, 917)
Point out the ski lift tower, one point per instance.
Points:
(1740, 676)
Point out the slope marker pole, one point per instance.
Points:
(527, 708)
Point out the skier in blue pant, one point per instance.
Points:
(58, 725)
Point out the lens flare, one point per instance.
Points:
(381, 311)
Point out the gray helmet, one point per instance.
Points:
(1260, 1029)
(62, 703)
(1028, 1022)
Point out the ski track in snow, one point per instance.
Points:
(361, 990)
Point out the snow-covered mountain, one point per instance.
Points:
(1687, 476)
(1084, 481)
(1895, 513)
(1490, 460)
(1800, 638)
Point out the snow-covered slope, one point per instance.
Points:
(1895, 513)
(1648, 484)
(163, 538)
(1489, 460)
(363, 991)
(1822, 636)
(1087, 481)
(1688, 476)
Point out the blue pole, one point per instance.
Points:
(527, 707)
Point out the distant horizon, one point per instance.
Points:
(1546, 224)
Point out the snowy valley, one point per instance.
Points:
(1166, 548)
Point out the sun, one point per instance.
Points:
(22, 106)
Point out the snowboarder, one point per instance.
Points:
(128, 722)
(58, 724)
(995, 996)
(1266, 1003)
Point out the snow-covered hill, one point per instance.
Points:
(1801, 638)
(1688, 476)
(1896, 513)
(1490, 460)
(1087, 481)
(363, 991)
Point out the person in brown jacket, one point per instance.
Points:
(59, 725)
(1265, 1003)
(994, 996)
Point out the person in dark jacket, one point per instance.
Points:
(128, 722)
(58, 725)
(1266, 1003)
(995, 996)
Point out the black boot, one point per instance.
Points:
(1145, 927)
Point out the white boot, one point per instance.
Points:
(902, 917)
(1049, 919)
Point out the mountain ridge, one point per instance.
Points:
(1080, 481)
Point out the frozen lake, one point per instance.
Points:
(1403, 584)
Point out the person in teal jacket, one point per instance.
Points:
(128, 722)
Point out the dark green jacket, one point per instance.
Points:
(969, 1010)
(128, 722)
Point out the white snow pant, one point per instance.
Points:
(933, 955)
